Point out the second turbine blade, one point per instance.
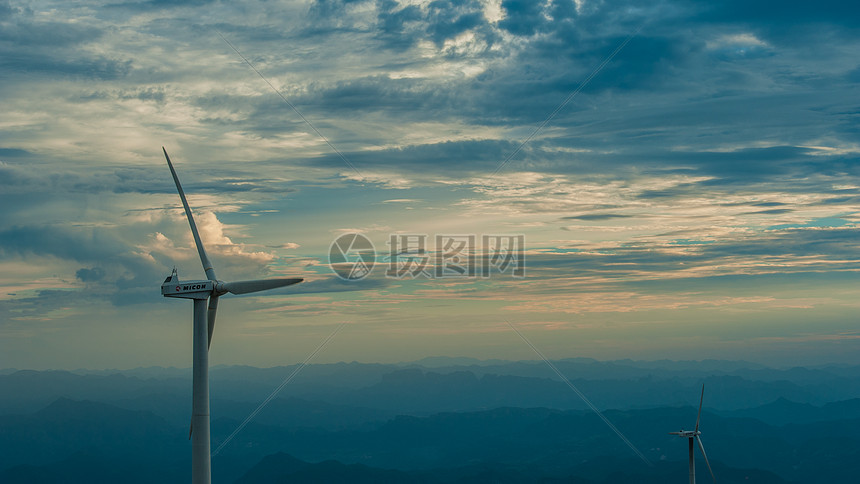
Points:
(210, 316)
(702, 448)
(245, 287)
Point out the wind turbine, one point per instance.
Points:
(696, 435)
(204, 323)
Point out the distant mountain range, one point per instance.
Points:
(455, 420)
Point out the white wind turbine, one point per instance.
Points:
(696, 435)
(204, 322)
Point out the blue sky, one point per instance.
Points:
(697, 198)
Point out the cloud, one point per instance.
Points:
(717, 147)
(596, 216)
(90, 275)
(149, 5)
(523, 17)
(791, 13)
(31, 45)
(12, 153)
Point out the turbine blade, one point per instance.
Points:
(702, 448)
(702, 399)
(245, 287)
(207, 266)
(210, 316)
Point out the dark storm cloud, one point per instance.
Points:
(596, 216)
(402, 26)
(109, 260)
(6, 10)
(398, 27)
(475, 156)
(13, 177)
(398, 97)
(702, 96)
(12, 153)
(831, 244)
(780, 168)
(87, 245)
(31, 46)
(790, 12)
(156, 94)
(677, 191)
(669, 102)
(525, 89)
(29, 32)
(58, 184)
(768, 204)
(748, 163)
(446, 19)
(783, 167)
(325, 9)
(110, 263)
(330, 17)
(162, 4)
(90, 275)
(647, 62)
(826, 249)
(35, 307)
(775, 211)
(523, 17)
(842, 200)
(97, 68)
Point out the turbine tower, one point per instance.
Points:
(696, 435)
(202, 291)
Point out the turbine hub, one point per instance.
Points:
(218, 288)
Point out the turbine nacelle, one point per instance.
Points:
(173, 287)
(687, 433)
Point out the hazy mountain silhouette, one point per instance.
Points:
(783, 411)
(283, 468)
(89, 468)
(461, 421)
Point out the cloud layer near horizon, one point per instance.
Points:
(709, 166)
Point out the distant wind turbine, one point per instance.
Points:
(204, 323)
(696, 435)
